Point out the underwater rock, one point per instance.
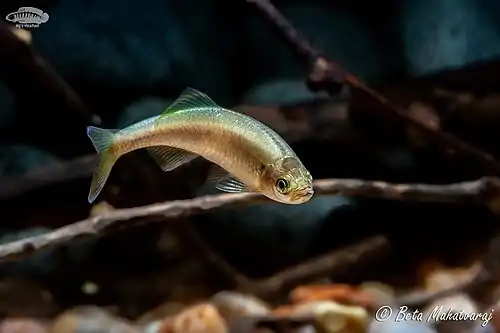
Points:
(381, 293)
(22, 325)
(337, 292)
(331, 317)
(90, 319)
(133, 50)
(281, 92)
(446, 34)
(19, 159)
(142, 109)
(334, 31)
(199, 318)
(159, 313)
(135, 43)
(232, 304)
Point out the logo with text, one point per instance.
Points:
(439, 313)
(28, 17)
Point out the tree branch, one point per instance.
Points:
(24, 56)
(51, 174)
(323, 265)
(472, 192)
(326, 74)
(23, 62)
(215, 259)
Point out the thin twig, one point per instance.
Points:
(23, 56)
(211, 255)
(421, 299)
(325, 74)
(472, 192)
(336, 260)
(323, 265)
(51, 174)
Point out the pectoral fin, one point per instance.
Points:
(226, 182)
(169, 158)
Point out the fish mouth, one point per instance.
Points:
(303, 194)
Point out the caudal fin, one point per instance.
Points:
(102, 139)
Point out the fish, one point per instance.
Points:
(28, 15)
(246, 155)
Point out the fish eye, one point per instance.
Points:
(282, 185)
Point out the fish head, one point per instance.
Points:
(287, 181)
(11, 17)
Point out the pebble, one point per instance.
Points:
(160, 312)
(392, 326)
(342, 293)
(22, 325)
(90, 319)
(331, 316)
(231, 304)
(382, 293)
(200, 318)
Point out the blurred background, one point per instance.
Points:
(112, 63)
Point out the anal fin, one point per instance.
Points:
(169, 158)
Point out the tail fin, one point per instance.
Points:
(102, 139)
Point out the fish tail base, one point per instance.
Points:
(101, 138)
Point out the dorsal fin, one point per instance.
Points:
(190, 98)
